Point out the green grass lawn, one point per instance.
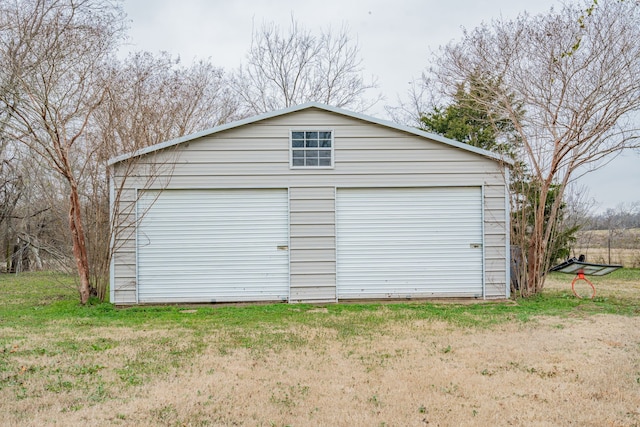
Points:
(36, 299)
(54, 351)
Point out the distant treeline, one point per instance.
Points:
(622, 217)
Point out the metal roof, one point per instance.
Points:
(305, 106)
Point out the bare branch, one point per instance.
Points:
(574, 72)
(290, 68)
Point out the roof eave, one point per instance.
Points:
(264, 116)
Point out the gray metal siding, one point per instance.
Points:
(366, 155)
(496, 240)
(382, 180)
(312, 244)
(123, 282)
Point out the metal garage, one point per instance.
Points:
(409, 242)
(247, 211)
(213, 246)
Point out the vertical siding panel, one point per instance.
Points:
(312, 219)
(496, 228)
(123, 261)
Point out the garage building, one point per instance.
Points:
(308, 204)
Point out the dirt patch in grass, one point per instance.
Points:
(549, 371)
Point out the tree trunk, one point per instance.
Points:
(538, 243)
(79, 245)
(534, 260)
(35, 251)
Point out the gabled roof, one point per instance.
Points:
(305, 106)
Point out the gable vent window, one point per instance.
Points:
(311, 149)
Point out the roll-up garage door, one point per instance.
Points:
(213, 246)
(409, 242)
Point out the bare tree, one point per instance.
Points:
(574, 73)
(39, 220)
(149, 99)
(32, 213)
(11, 188)
(579, 207)
(291, 67)
(53, 52)
(418, 99)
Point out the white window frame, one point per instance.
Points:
(292, 149)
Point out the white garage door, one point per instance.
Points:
(409, 242)
(213, 246)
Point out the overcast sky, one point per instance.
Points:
(395, 39)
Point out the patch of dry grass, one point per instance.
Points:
(610, 246)
(551, 371)
(606, 287)
(629, 258)
(337, 365)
